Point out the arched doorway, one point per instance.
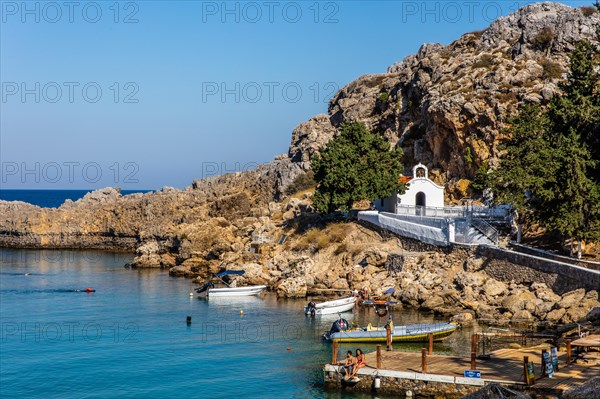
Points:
(421, 203)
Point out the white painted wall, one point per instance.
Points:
(434, 194)
(420, 183)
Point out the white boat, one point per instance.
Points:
(236, 291)
(330, 307)
(208, 289)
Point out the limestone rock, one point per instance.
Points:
(522, 315)
(470, 279)
(544, 293)
(181, 270)
(555, 315)
(376, 257)
(464, 318)
(150, 247)
(254, 275)
(575, 314)
(433, 302)
(309, 137)
(443, 100)
(572, 298)
(523, 300)
(294, 287)
(493, 287)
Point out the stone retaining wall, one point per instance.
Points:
(559, 258)
(398, 387)
(505, 265)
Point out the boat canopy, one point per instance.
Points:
(230, 272)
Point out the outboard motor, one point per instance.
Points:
(337, 326)
(204, 287)
(311, 308)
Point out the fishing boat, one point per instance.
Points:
(208, 289)
(409, 333)
(330, 307)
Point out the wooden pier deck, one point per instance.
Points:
(505, 366)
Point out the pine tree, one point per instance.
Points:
(579, 106)
(550, 169)
(356, 165)
(525, 166)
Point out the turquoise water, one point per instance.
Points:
(129, 339)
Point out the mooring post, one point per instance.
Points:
(388, 337)
(473, 351)
(424, 360)
(378, 357)
(334, 353)
(568, 352)
(544, 363)
(430, 337)
(525, 363)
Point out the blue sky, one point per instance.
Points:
(147, 94)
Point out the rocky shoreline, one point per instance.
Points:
(321, 254)
(437, 105)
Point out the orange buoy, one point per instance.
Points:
(88, 289)
(289, 348)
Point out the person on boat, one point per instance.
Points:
(360, 362)
(364, 293)
(348, 364)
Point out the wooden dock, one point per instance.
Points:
(505, 366)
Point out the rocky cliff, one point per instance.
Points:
(445, 106)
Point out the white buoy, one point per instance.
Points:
(241, 312)
(377, 382)
(191, 294)
(408, 394)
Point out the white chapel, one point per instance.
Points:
(420, 192)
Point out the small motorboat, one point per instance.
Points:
(412, 333)
(208, 289)
(330, 307)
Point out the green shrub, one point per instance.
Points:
(302, 182)
(482, 178)
(384, 97)
(588, 11)
(477, 33)
(543, 39)
(317, 239)
(509, 97)
(485, 61)
(468, 155)
(231, 206)
(341, 248)
(552, 70)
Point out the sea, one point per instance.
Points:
(50, 198)
(129, 338)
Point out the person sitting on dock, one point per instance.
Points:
(348, 364)
(360, 362)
